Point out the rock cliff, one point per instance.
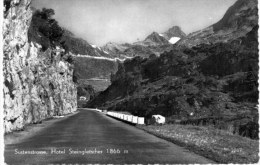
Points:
(37, 84)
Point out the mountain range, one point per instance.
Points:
(155, 43)
(211, 74)
(99, 62)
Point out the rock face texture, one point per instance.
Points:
(37, 84)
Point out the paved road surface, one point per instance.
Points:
(101, 138)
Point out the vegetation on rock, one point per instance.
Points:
(44, 29)
(214, 84)
(37, 84)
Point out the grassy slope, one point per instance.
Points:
(215, 144)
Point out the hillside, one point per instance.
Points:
(92, 62)
(212, 83)
(239, 19)
(94, 72)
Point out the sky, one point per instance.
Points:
(127, 21)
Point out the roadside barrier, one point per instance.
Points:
(135, 119)
(128, 118)
(140, 120)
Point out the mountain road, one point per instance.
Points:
(92, 137)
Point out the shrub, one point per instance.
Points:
(44, 29)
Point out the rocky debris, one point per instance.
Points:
(37, 84)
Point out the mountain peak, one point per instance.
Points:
(156, 38)
(174, 31)
(153, 34)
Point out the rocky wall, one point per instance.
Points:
(37, 85)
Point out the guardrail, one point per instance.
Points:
(128, 118)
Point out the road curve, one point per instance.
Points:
(92, 137)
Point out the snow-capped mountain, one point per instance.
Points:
(171, 36)
(155, 43)
(82, 47)
(175, 31)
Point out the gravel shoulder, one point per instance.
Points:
(32, 129)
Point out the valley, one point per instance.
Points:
(204, 84)
(215, 81)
